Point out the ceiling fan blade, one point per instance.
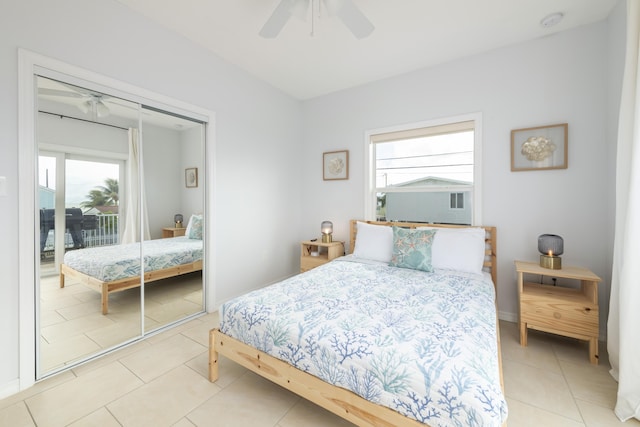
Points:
(354, 19)
(278, 19)
(59, 92)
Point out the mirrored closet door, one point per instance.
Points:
(113, 173)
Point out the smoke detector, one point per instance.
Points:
(551, 20)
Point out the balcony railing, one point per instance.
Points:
(104, 234)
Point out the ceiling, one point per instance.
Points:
(408, 35)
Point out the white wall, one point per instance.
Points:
(556, 79)
(258, 131)
(191, 156)
(163, 176)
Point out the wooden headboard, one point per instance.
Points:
(491, 257)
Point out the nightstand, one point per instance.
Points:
(559, 310)
(173, 232)
(326, 252)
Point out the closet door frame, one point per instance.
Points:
(31, 64)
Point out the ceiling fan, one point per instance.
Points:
(346, 10)
(91, 103)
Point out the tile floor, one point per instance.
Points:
(162, 381)
(72, 326)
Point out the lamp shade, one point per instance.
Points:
(550, 243)
(326, 227)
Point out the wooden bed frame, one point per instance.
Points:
(340, 401)
(105, 288)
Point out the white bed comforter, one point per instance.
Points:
(109, 263)
(423, 344)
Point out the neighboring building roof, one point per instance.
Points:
(96, 210)
(432, 181)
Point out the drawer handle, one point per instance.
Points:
(587, 308)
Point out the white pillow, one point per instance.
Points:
(374, 242)
(459, 249)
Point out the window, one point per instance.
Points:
(457, 201)
(427, 172)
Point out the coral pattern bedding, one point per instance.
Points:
(110, 263)
(423, 344)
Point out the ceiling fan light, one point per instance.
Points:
(101, 109)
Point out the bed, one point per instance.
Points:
(381, 344)
(108, 269)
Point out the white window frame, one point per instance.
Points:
(370, 190)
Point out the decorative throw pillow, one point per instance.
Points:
(194, 229)
(412, 249)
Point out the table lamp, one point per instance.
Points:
(177, 219)
(551, 247)
(327, 229)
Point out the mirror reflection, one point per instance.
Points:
(112, 174)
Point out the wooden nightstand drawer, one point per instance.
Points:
(576, 317)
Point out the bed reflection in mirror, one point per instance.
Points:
(112, 175)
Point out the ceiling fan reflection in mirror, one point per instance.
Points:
(345, 10)
(87, 101)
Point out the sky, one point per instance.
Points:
(445, 156)
(82, 177)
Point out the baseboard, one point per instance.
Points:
(12, 387)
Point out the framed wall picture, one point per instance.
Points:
(335, 165)
(539, 148)
(191, 177)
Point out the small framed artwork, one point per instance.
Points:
(539, 148)
(191, 177)
(335, 165)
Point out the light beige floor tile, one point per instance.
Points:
(572, 350)
(184, 422)
(66, 350)
(157, 359)
(80, 397)
(523, 415)
(537, 353)
(75, 327)
(228, 371)
(99, 418)
(110, 358)
(80, 310)
(174, 330)
(199, 332)
(211, 319)
(598, 416)
(172, 311)
(116, 333)
(200, 365)
(307, 414)
(540, 388)
(165, 400)
(50, 317)
(591, 383)
(16, 415)
(249, 401)
(59, 301)
(38, 387)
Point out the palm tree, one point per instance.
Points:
(103, 195)
(110, 191)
